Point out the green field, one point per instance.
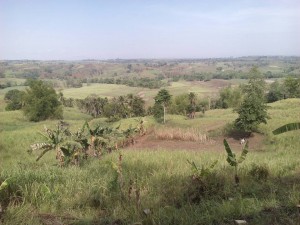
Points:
(202, 89)
(158, 181)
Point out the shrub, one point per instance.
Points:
(259, 172)
(207, 186)
(41, 102)
(14, 99)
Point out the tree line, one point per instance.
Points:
(231, 97)
(40, 102)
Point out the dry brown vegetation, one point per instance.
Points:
(189, 134)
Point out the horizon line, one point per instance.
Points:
(158, 58)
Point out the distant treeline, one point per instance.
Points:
(152, 83)
(227, 75)
(114, 109)
(231, 97)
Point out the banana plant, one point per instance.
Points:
(201, 172)
(82, 139)
(129, 135)
(102, 138)
(54, 140)
(233, 160)
(140, 126)
(72, 152)
(286, 128)
(92, 135)
(5, 184)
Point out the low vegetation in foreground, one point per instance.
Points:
(153, 186)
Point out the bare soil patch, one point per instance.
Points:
(213, 84)
(150, 142)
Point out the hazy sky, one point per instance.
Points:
(90, 29)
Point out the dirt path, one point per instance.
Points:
(150, 142)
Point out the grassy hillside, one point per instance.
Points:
(158, 181)
(201, 88)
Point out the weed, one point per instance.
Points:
(259, 172)
(210, 186)
(200, 173)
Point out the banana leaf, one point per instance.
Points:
(286, 128)
(213, 164)
(231, 159)
(4, 184)
(244, 153)
(43, 153)
(194, 167)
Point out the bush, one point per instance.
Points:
(14, 99)
(41, 102)
(205, 187)
(259, 172)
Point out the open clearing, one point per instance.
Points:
(201, 88)
(150, 141)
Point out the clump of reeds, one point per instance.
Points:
(189, 134)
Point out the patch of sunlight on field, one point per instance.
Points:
(102, 90)
(179, 84)
(114, 90)
(212, 119)
(75, 114)
(17, 81)
(11, 120)
(3, 91)
(184, 87)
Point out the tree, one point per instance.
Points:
(179, 105)
(41, 102)
(14, 99)
(92, 105)
(229, 98)
(253, 109)
(158, 111)
(276, 92)
(292, 87)
(192, 106)
(163, 98)
(138, 106)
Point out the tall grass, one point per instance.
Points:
(180, 134)
(41, 192)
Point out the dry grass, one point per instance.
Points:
(189, 134)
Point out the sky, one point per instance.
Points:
(126, 29)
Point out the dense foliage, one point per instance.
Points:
(229, 98)
(115, 108)
(289, 88)
(41, 102)
(14, 99)
(162, 101)
(253, 109)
